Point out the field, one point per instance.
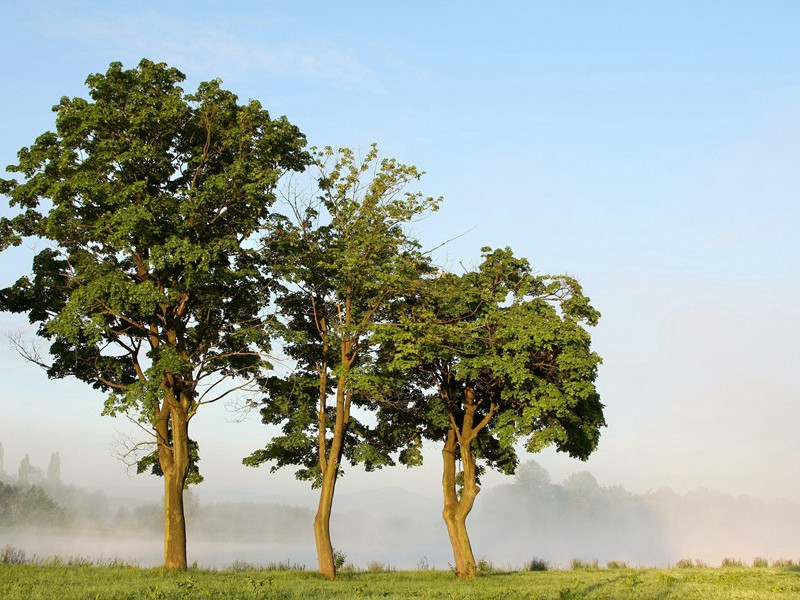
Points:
(48, 581)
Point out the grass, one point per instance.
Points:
(32, 581)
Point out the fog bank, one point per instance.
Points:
(512, 523)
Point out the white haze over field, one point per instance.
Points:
(529, 517)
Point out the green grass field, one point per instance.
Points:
(39, 581)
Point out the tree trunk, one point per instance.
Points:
(329, 464)
(322, 526)
(174, 461)
(457, 509)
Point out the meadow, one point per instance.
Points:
(30, 581)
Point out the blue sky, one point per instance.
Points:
(650, 150)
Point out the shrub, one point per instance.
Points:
(423, 564)
(339, 558)
(536, 564)
(617, 564)
(484, 567)
(760, 562)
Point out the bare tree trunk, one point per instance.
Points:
(458, 506)
(329, 463)
(457, 509)
(174, 460)
(322, 526)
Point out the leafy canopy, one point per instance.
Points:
(147, 200)
(515, 342)
(345, 258)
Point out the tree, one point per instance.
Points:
(497, 354)
(150, 288)
(54, 469)
(345, 259)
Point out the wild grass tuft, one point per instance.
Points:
(759, 562)
(12, 556)
(617, 564)
(731, 562)
(784, 562)
(239, 566)
(577, 564)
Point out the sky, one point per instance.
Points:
(648, 149)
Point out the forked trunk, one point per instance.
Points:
(174, 460)
(457, 508)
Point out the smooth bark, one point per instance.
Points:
(457, 506)
(174, 461)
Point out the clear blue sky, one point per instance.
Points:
(650, 149)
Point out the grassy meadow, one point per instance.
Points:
(30, 581)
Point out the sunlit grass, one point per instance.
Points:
(51, 580)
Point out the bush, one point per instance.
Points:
(339, 558)
(423, 564)
(536, 564)
(760, 562)
(484, 567)
(617, 564)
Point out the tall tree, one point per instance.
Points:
(54, 469)
(149, 287)
(345, 258)
(497, 355)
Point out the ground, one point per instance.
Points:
(47, 581)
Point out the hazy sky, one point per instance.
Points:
(651, 151)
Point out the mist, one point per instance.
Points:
(531, 516)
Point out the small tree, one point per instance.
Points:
(54, 469)
(344, 259)
(497, 355)
(149, 288)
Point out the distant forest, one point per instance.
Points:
(529, 516)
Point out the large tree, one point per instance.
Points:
(345, 257)
(494, 356)
(149, 286)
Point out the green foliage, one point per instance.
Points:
(514, 339)
(148, 200)
(343, 260)
(339, 559)
(536, 564)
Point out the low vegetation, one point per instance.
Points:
(83, 578)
